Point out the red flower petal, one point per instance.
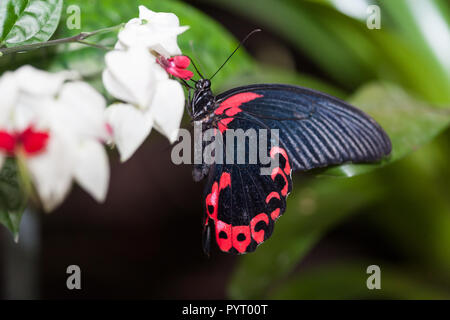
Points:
(7, 142)
(180, 73)
(33, 141)
(176, 66)
(181, 61)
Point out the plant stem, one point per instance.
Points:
(78, 38)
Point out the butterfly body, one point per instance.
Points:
(203, 102)
(312, 130)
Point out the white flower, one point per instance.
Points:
(58, 128)
(151, 99)
(156, 31)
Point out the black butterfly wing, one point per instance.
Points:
(315, 130)
(241, 204)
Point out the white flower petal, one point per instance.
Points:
(38, 82)
(162, 40)
(115, 88)
(159, 74)
(51, 172)
(146, 13)
(166, 19)
(137, 35)
(156, 31)
(167, 108)
(32, 110)
(86, 107)
(9, 96)
(130, 128)
(168, 47)
(92, 169)
(129, 77)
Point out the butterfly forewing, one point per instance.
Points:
(316, 129)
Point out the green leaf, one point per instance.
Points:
(208, 43)
(268, 74)
(312, 209)
(28, 21)
(294, 21)
(349, 52)
(13, 199)
(408, 122)
(416, 216)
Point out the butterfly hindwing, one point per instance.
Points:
(241, 204)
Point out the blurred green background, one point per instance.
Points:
(395, 214)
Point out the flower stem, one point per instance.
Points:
(77, 38)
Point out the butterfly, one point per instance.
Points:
(314, 130)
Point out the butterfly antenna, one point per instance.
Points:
(191, 44)
(186, 84)
(196, 69)
(237, 48)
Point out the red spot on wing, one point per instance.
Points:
(223, 230)
(223, 124)
(272, 195)
(225, 180)
(232, 111)
(275, 214)
(212, 199)
(231, 105)
(258, 235)
(223, 235)
(239, 232)
(278, 150)
(277, 171)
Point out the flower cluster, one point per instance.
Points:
(57, 125)
(138, 73)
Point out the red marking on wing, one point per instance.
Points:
(277, 171)
(272, 195)
(223, 124)
(278, 150)
(224, 244)
(212, 199)
(225, 180)
(258, 235)
(232, 111)
(275, 214)
(233, 103)
(242, 245)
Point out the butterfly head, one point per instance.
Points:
(202, 103)
(203, 84)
